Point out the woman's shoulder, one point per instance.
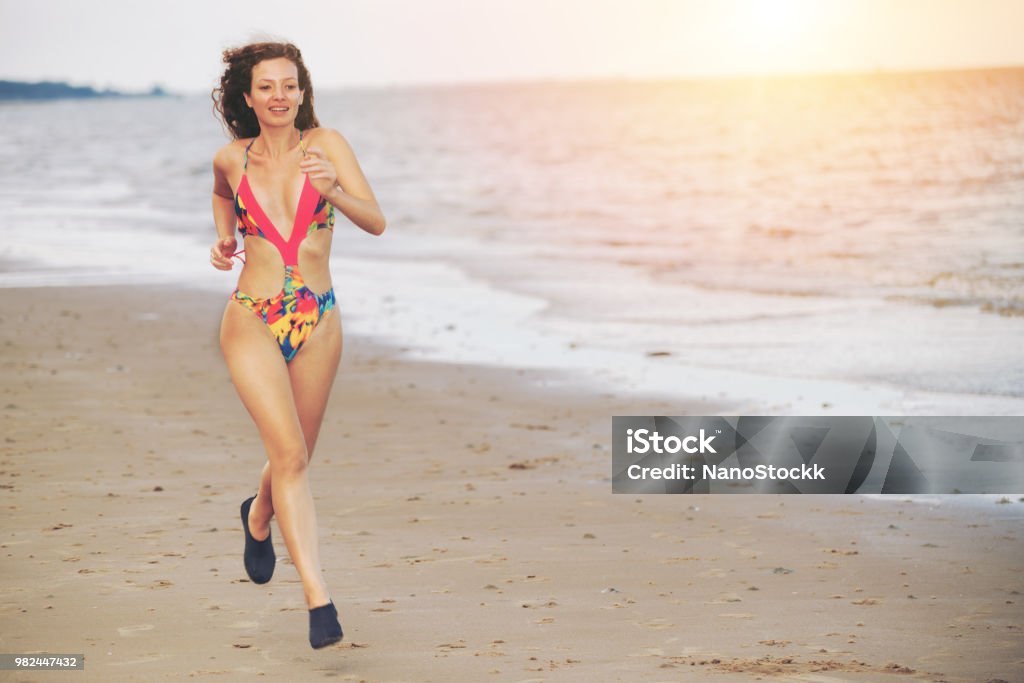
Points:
(322, 134)
(331, 140)
(231, 154)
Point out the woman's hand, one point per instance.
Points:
(322, 174)
(221, 252)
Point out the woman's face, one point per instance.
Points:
(274, 94)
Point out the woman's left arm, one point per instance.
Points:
(334, 173)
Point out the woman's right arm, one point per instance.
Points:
(223, 212)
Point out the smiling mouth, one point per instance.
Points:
(279, 109)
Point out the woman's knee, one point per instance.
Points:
(288, 461)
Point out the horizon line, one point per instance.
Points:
(553, 80)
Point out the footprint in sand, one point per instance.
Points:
(866, 601)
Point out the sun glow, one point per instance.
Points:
(776, 22)
(782, 35)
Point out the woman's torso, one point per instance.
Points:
(273, 196)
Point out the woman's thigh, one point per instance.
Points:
(260, 375)
(312, 372)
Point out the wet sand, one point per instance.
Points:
(468, 530)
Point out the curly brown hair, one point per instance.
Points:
(228, 102)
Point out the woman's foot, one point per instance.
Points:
(259, 558)
(324, 628)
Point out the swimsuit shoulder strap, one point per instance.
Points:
(245, 166)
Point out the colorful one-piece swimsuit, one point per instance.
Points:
(293, 313)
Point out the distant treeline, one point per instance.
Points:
(54, 90)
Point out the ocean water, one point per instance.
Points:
(840, 244)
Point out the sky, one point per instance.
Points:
(134, 45)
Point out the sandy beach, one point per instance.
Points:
(468, 530)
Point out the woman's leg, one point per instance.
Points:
(312, 375)
(261, 377)
(312, 372)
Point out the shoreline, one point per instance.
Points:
(440, 304)
(477, 499)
